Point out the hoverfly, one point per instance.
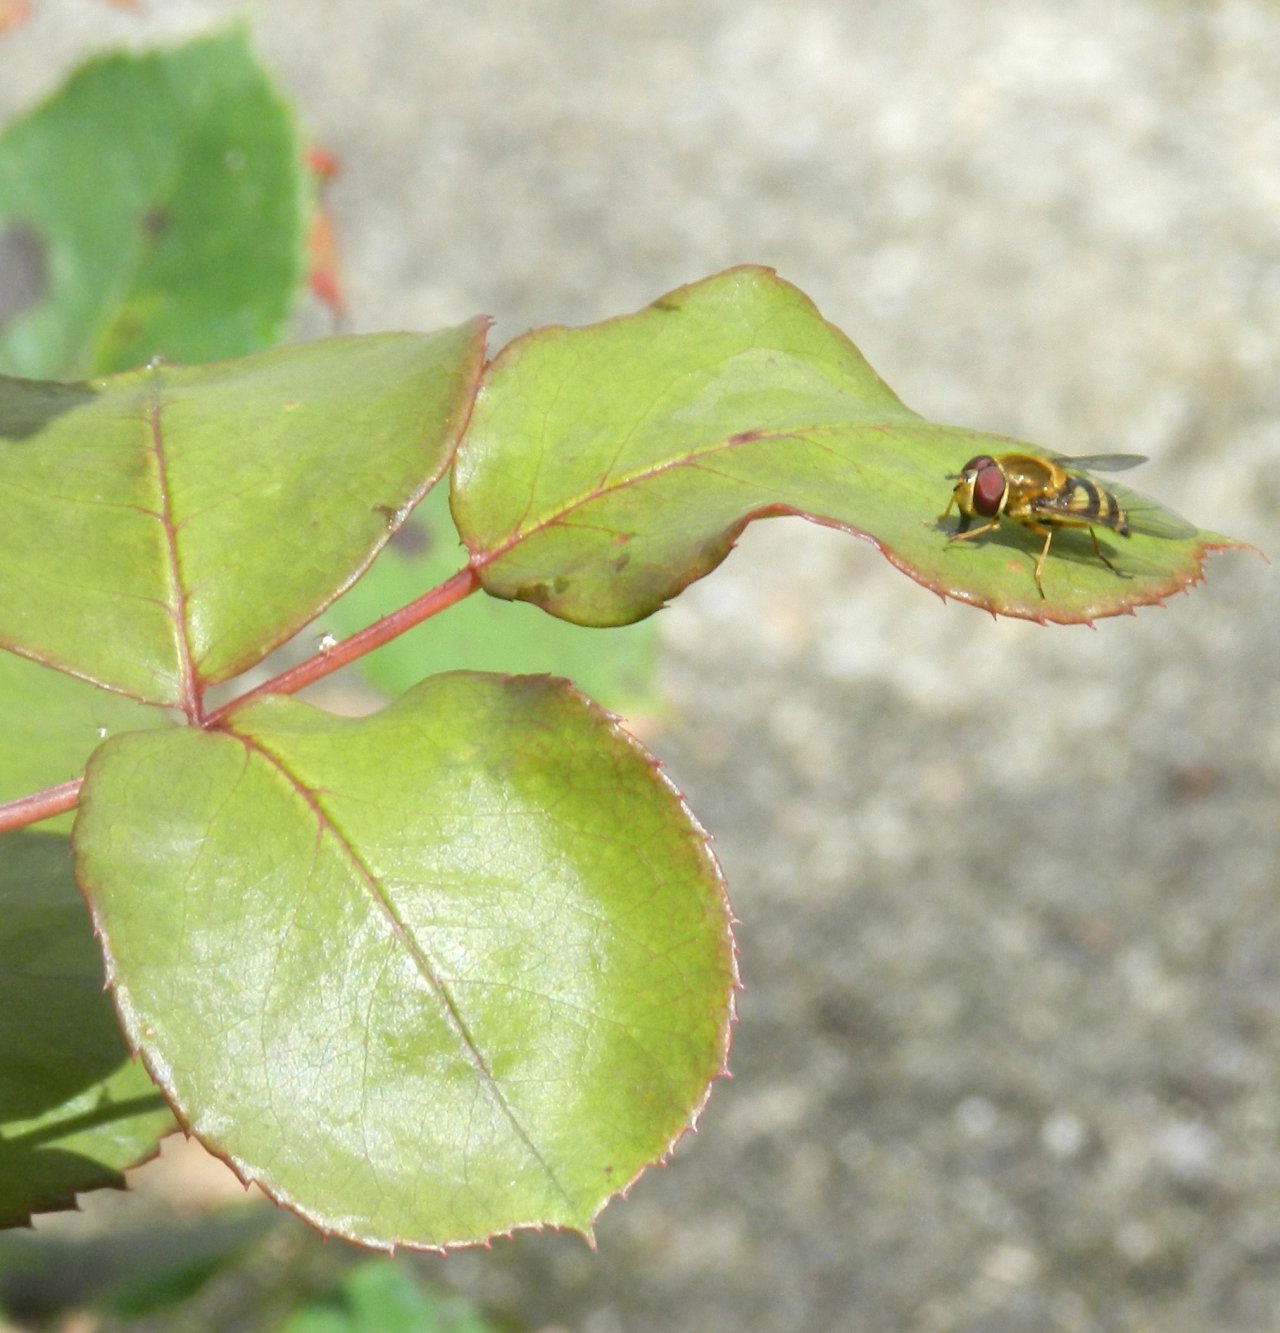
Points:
(1044, 493)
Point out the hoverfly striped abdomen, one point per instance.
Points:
(1082, 501)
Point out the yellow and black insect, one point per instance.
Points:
(1044, 493)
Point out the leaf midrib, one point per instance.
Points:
(692, 458)
(454, 1020)
(191, 702)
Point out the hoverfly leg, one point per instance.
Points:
(963, 531)
(1097, 550)
(1047, 534)
(942, 517)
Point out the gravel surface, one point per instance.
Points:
(1008, 1052)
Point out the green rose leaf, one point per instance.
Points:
(166, 528)
(160, 205)
(460, 967)
(606, 468)
(75, 1111)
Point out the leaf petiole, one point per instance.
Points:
(334, 657)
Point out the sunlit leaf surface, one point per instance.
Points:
(608, 467)
(157, 206)
(456, 968)
(166, 528)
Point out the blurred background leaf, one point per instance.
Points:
(75, 1109)
(236, 1268)
(379, 1296)
(156, 206)
(130, 1272)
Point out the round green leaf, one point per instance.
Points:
(428, 976)
(166, 528)
(75, 1111)
(164, 200)
(606, 468)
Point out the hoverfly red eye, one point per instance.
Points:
(988, 486)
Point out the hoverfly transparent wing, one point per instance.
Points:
(1151, 518)
(1098, 462)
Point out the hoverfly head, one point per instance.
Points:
(980, 487)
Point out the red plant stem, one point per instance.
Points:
(329, 660)
(57, 800)
(40, 805)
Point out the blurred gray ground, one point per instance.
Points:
(1009, 1052)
